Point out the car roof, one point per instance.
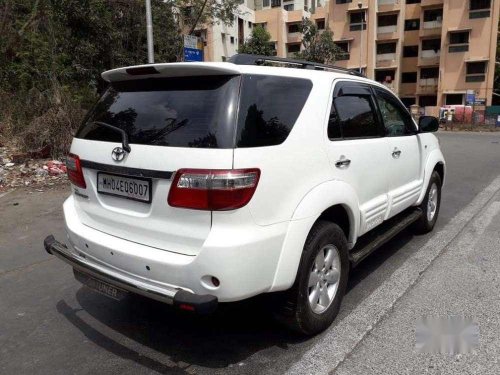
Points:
(183, 69)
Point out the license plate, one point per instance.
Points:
(137, 189)
(100, 287)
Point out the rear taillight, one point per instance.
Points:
(213, 189)
(75, 173)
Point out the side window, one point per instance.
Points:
(397, 120)
(352, 116)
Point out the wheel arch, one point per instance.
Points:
(333, 200)
(435, 162)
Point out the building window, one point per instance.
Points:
(293, 28)
(232, 40)
(454, 99)
(249, 24)
(479, 4)
(410, 77)
(427, 100)
(288, 7)
(410, 51)
(343, 1)
(262, 24)
(429, 73)
(320, 24)
(385, 76)
(408, 102)
(459, 41)
(293, 48)
(413, 24)
(413, 1)
(265, 3)
(344, 51)
(357, 21)
(387, 23)
(387, 20)
(431, 48)
(459, 37)
(433, 18)
(475, 71)
(479, 8)
(385, 48)
(275, 3)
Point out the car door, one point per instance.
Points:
(357, 149)
(404, 150)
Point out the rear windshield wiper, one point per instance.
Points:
(122, 132)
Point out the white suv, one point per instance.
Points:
(199, 183)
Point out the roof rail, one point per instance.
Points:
(246, 59)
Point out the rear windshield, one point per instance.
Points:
(199, 112)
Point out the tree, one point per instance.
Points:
(259, 43)
(206, 12)
(496, 83)
(319, 47)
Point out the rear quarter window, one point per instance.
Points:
(269, 107)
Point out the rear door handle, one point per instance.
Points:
(396, 153)
(342, 163)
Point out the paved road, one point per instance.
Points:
(51, 324)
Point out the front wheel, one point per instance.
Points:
(313, 302)
(429, 206)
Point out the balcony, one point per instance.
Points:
(427, 86)
(428, 82)
(436, 24)
(388, 5)
(430, 54)
(343, 56)
(387, 29)
(386, 57)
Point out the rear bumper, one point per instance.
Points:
(170, 295)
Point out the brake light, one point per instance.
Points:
(75, 172)
(213, 189)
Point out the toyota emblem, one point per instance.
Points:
(118, 154)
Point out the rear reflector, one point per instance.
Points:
(75, 172)
(213, 189)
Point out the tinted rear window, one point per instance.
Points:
(200, 111)
(269, 108)
(177, 112)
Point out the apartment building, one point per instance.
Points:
(429, 52)
(221, 41)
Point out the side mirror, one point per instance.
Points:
(427, 124)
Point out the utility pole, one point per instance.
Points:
(149, 31)
(360, 5)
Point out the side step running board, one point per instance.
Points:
(372, 240)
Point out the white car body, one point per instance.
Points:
(257, 248)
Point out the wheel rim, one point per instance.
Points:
(324, 279)
(432, 202)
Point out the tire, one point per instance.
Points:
(430, 212)
(294, 308)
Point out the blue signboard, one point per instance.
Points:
(193, 54)
(470, 97)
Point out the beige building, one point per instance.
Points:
(430, 52)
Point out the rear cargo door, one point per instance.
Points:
(171, 123)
